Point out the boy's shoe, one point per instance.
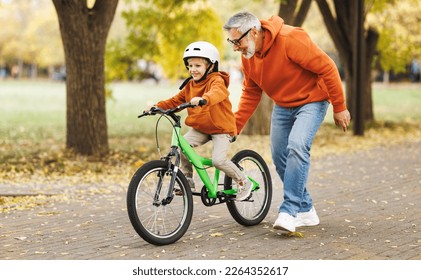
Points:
(285, 222)
(306, 219)
(243, 191)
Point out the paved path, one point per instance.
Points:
(368, 203)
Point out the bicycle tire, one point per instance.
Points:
(157, 222)
(253, 210)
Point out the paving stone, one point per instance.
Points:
(368, 203)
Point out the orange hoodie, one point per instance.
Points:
(291, 69)
(216, 117)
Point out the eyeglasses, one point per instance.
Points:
(237, 42)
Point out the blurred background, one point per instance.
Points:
(140, 44)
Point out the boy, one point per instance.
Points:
(214, 121)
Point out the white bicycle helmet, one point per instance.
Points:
(202, 49)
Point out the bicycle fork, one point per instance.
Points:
(171, 170)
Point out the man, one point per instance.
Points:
(302, 80)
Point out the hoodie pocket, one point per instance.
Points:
(203, 122)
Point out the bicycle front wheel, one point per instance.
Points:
(160, 217)
(253, 210)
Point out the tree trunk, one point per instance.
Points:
(372, 38)
(288, 11)
(341, 29)
(84, 33)
(259, 123)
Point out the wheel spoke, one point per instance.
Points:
(157, 222)
(253, 210)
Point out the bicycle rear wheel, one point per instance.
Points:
(253, 210)
(157, 217)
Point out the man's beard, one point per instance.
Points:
(251, 49)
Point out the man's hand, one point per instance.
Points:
(342, 119)
(195, 100)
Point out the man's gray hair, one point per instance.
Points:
(242, 21)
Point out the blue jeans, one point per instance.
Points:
(292, 134)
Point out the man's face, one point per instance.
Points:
(243, 44)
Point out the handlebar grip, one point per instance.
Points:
(153, 110)
(203, 102)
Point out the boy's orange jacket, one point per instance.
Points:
(216, 117)
(291, 69)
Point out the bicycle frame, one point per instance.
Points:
(199, 163)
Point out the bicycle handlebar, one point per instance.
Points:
(157, 110)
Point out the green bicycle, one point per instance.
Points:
(160, 200)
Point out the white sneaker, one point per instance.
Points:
(285, 222)
(243, 191)
(307, 219)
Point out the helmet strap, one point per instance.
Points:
(206, 73)
(185, 82)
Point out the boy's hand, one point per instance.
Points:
(148, 108)
(195, 100)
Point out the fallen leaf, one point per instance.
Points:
(21, 238)
(296, 234)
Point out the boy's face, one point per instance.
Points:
(197, 67)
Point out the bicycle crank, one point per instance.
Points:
(207, 201)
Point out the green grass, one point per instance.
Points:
(35, 110)
(128, 101)
(31, 110)
(398, 104)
